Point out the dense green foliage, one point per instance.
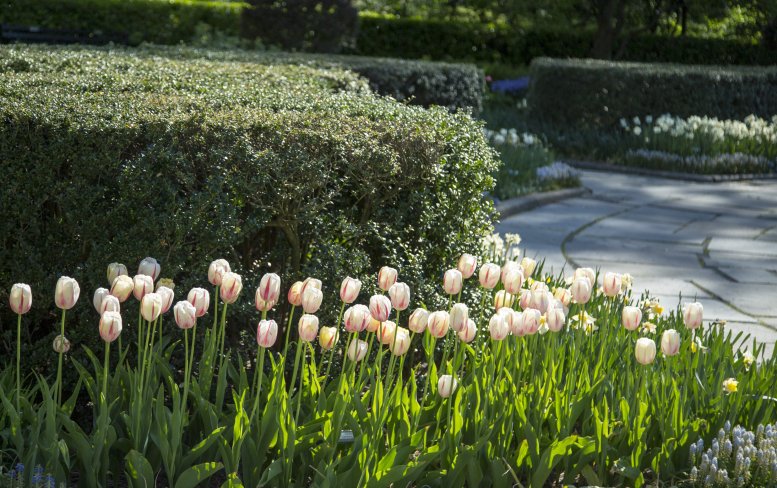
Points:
(582, 94)
(162, 22)
(275, 166)
(488, 42)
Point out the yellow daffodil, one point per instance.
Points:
(730, 386)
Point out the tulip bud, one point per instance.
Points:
(513, 319)
(555, 319)
(467, 334)
(459, 315)
(142, 284)
(503, 299)
(308, 327)
(563, 295)
(498, 327)
(149, 267)
(151, 306)
(269, 288)
(66, 293)
(167, 295)
(693, 314)
(295, 294)
(110, 304)
(446, 385)
(531, 320)
(311, 299)
(528, 265)
(114, 270)
(645, 350)
(467, 265)
(400, 295)
(231, 286)
(356, 318)
(524, 301)
(401, 343)
(631, 317)
(540, 299)
(514, 281)
(122, 287)
(357, 349)
(97, 299)
(216, 271)
(438, 323)
(328, 337)
(489, 275)
(418, 320)
(380, 307)
(310, 283)
(507, 267)
(20, 298)
(261, 305)
(110, 326)
(586, 272)
(611, 284)
(373, 325)
(185, 314)
(349, 289)
(670, 342)
(266, 333)
(386, 332)
(386, 277)
(200, 298)
(451, 282)
(61, 344)
(539, 286)
(581, 290)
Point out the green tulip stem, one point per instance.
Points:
(334, 346)
(215, 310)
(288, 333)
(191, 355)
(161, 329)
(426, 385)
(259, 373)
(366, 358)
(18, 360)
(105, 375)
(186, 369)
(392, 361)
(223, 333)
(481, 334)
(301, 383)
(59, 366)
(140, 338)
(293, 383)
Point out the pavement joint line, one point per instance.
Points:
(703, 263)
(692, 221)
(571, 236)
(732, 306)
(764, 231)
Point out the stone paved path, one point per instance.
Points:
(716, 242)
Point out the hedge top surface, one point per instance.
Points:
(732, 71)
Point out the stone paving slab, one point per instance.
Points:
(713, 241)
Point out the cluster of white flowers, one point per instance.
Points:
(511, 137)
(737, 457)
(493, 245)
(557, 171)
(705, 135)
(753, 163)
(751, 128)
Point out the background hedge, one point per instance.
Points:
(581, 94)
(113, 155)
(161, 22)
(461, 40)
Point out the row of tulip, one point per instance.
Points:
(532, 388)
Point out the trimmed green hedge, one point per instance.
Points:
(584, 93)
(116, 154)
(157, 21)
(446, 40)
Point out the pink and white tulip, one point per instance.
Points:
(308, 327)
(459, 315)
(311, 299)
(452, 281)
(380, 307)
(231, 286)
(489, 275)
(200, 298)
(266, 333)
(467, 265)
(400, 296)
(66, 293)
(20, 298)
(349, 290)
(216, 271)
(142, 284)
(387, 276)
(438, 323)
(631, 317)
(418, 320)
(110, 326)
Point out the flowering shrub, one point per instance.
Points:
(517, 377)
